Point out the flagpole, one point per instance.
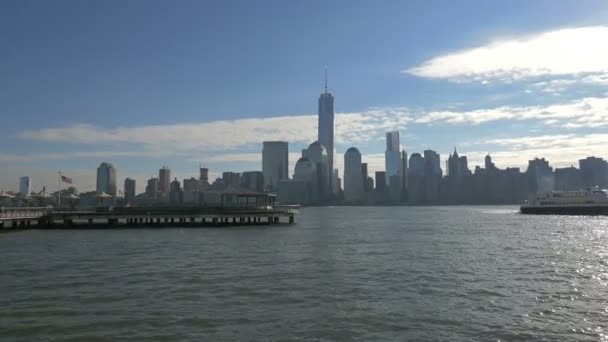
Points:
(58, 188)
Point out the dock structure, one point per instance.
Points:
(140, 217)
(233, 209)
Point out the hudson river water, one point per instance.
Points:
(338, 274)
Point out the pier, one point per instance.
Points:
(140, 217)
(233, 207)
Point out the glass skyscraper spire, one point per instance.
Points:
(326, 126)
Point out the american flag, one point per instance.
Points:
(66, 179)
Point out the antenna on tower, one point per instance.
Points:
(326, 79)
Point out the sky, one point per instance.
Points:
(142, 84)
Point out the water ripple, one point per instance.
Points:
(339, 274)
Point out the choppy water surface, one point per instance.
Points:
(343, 274)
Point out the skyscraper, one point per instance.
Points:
(129, 189)
(164, 180)
(253, 180)
(392, 156)
(152, 188)
(190, 184)
(594, 172)
(203, 179)
(458, 166)
(317, 154)
(416, 165)
(326, 127)
(404, 178)
(231, 178)
(275, 162)
(568, 179)
(25, 186)
(540, 176)
(380, 181)
(432, 163)
(305, 175)
(353, 179)
(190, 191)
(203, 175)
(175, 190)
(106, 179)
(364, 175)
(432, 176)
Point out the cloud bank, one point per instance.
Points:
(587, 112)
(569, 51)
(351, 128)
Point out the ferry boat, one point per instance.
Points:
(592, 201)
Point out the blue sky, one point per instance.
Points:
(143, 84)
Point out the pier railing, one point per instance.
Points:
(192, 216)
(23, 213)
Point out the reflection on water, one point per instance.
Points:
(428, 273)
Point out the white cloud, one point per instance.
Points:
(351, 128)
(569, 51)
(586, 112)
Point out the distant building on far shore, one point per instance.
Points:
(106, 179)
(275, 163)
(594, 172)
(129, 189)
(392, 156)
(253, 180)
(325, 131)
(164, 180)
(25, 186)
(353, 178)
(152, 188)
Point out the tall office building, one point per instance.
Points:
(416, 179)
(364, 176)
(326, 128)
(335, 182)
(540, 176)
(231, 178)
(594, 172)
(305, 170)
(432, 176)
(129, 189)
(568, 179)
(317, 154)
(190, 193)
(432, 163)
(253, 180)
(275, 162)
(416, 165)
(353, 179)
(106, 179)
(152, 188)
(25, 186)
(190, 184)
(175, 192)
(404, 168)
(380, 181)
(489, 165)
(392, 156)
(164, 180)
(203, 175)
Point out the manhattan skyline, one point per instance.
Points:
(178, 88)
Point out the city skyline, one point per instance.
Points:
(433, 91)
